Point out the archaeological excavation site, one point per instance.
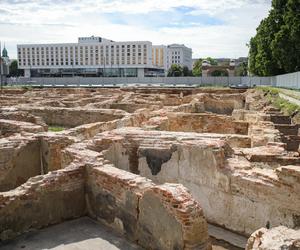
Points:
(147, 168)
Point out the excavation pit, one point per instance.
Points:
(154, 165)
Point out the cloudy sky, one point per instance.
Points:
(216, 28)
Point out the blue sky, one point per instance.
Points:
(219, 28)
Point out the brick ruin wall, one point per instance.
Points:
(230, 164)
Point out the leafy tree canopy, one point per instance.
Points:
(14, 70)
(275, 49)
(175, 70)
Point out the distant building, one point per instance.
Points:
(179, 54)
(97, 56)
(160, 57)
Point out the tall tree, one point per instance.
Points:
(275, 48)
(242, 69)
(186, 71)
(286, 45)
(197, 69)
(14, 70)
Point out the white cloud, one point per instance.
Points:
(37, 21)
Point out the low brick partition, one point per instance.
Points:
(202, 123)
(10, 127)
(153, 216)
(225, 181)
(72, 117)
(42, 201)
(19, 160)
(176, 209)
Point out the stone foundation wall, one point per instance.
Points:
(203, 123)
(72, 117)
(52, 146)
(20, 159)
(42, 201)
(28, 155)
(156, 217)
(9, 127)
(233, 193)
(12, 114)
(224, 104)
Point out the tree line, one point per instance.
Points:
(275, 49)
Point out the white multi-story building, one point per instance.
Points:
(181, 55)
(94, 56)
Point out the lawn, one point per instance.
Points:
(285, 106)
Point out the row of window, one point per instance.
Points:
(49, 57)
(53, 62)
(86, 48)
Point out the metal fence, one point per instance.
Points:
(291, 80)
(123, 81)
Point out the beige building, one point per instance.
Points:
(94, 56)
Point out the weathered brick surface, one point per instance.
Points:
(42, 201)
(72, 117)
(186, 228)
(200, 123)
(156, 217)
(10, 127)
(19, 160)
(237, 155)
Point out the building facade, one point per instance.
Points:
(94, 56)
(179, 54)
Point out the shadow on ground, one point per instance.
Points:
(79, 234)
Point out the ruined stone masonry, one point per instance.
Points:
(155, 165)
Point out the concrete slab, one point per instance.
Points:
(79, 234)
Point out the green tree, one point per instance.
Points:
(212, 61)
(275, 49)
(186, 71)
(14, 70)
(197, 69)
(175, 70)
(242, 69)
(286, 44)
(219, 73)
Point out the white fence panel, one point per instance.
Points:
(288, 81)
